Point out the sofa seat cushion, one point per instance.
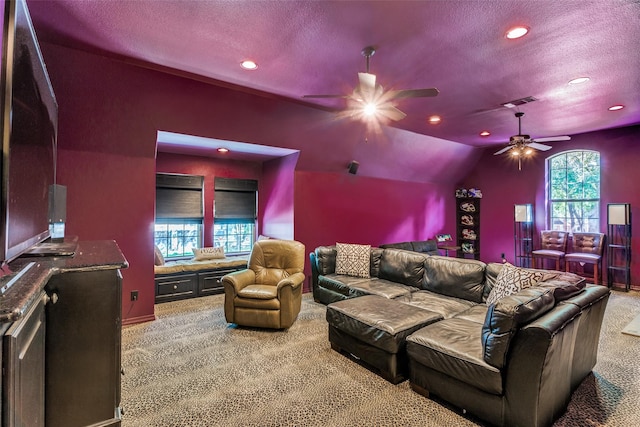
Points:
(378, 321)
(477, 313)
(381, 287)
(446, 306)
(339, 283)
(454, 348)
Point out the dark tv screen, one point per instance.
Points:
(29, 129)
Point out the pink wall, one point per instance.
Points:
(275, 198)
(340, 207)
(209, 168)
(109, 115)
(503, 186)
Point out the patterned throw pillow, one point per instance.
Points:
(512, 279)
(353, 260)
(202, 254)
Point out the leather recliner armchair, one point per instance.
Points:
(268, 294)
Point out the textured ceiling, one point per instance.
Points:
(314, 47)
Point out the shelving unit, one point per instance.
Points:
(523, 235)
(619, 244)
(468, 226)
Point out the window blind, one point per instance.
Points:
(179, 196)
(235, 198)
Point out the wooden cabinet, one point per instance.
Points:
(182, 285)
(468, 226)
(61, 340)
(24, 368)
(84, 349)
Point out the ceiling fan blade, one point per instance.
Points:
(325, 96)
(553, 138)
(414, 93)
(540, 147)
(391, 112)
(504, 150)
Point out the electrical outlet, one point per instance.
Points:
(502, 255)
(134, 295)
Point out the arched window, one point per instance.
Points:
(573, 191)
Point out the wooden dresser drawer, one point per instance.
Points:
(175, 287)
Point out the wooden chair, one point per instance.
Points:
(587, 249)
(553, 245)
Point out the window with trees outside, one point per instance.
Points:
(573, 188)
(235, 214)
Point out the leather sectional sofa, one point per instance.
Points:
(514, 362)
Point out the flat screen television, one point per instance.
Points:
(29, 125)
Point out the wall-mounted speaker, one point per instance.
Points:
(353, 167)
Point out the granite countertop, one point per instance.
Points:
(36, 272)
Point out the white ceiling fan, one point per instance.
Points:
(371, 98)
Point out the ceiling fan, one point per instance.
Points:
(523, 145)
(370, 98)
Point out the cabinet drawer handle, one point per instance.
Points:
(50, 299)
(175, 286)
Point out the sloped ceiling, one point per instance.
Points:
(459, 47)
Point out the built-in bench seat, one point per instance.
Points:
(189, 278)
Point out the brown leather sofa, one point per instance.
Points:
(512, 363)
(268, 294)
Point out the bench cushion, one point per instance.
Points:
(191, 265)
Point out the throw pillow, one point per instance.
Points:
(202, 254)
(158, 258)
(512, 279)
(353, 260)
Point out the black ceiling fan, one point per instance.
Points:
(369, 94)
(523, 145)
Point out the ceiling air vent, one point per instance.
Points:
(521, 101)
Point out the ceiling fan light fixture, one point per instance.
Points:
(248, 65)
(370, 109)
(579, 80)
(616, 107)
(516, 32)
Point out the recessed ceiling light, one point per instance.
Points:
(516, 32)
(434, 120)
(248, 65)
(616, 107)
(485, 133)
(223, 150)
(579, 80)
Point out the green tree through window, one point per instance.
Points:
(573, 182)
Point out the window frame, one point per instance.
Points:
(588, 224)
(178, 221)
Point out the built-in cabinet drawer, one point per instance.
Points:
(189, 285)
(210, 282)
(174, 287)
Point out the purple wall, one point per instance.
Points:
(503, 186)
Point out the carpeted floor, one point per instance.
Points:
(190, 368)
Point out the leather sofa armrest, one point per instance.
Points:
(294, 281)
(236, 281)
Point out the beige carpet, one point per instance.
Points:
(189, 368)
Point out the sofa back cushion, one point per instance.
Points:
(454, 277)
(376, 255)
(406, 246)
(326, 259)
(506, 316)
(402, 267)
(425, 246)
